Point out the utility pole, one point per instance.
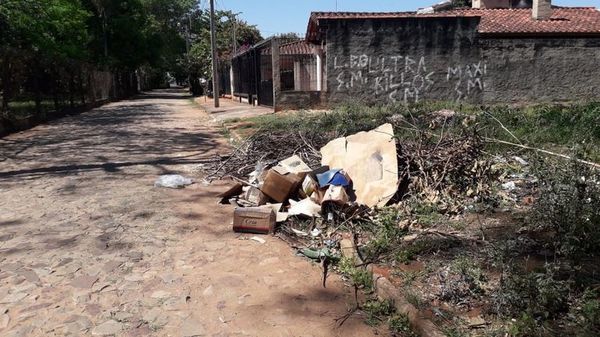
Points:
(234, 37)
(215, 61)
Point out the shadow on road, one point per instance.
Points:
(141, 131)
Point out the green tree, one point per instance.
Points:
(37, 32)
(197, 62)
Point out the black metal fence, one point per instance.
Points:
(225, 78)
(298, 70)
(253, 74)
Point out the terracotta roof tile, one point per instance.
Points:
(564, 20)
(300, 47)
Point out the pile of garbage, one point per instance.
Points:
(359, 169)
(310, 195)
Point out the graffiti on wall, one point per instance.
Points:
(467, 79)
(403, 78)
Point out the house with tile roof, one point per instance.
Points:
(497, 51)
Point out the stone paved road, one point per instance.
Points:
(88, 247)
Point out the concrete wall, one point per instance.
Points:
(411, 60)
(542, 70)
(294, 100)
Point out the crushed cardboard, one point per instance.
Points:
(305, 207)
(370, 159)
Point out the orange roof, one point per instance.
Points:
(568, 21)
(300, 47)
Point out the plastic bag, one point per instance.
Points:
(173, 181)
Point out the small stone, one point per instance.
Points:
(107, 328)
(81, 297)
(13, 298)
(111, 265)
(160, 294)
(151, 315)
(168, 278)
(134, 278)
(84, 282)
(208, 291)
(192, 328)
(122, 316)
(25, 316)
(4, 320)
(29, 275)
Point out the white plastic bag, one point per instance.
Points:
(173, 181)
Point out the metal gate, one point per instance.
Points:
(265, 96)
(253, 74)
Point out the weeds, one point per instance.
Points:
(386, 234)
(568, 207)
(539, 295)
(400, 326)
(414, 298)
(376, 311)
(359, 277)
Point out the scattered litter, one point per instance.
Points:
(336, 195)
(318, 254)
(333, 178)
(306, 207)
(521, 160)
(509, 186)
(315, 233)
(235, 190)
(446, 113)
(282, 217)
(173, 181)
(293, 165)
(257, 239)
(299, 233)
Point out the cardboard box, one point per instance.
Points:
(279, 187)
(257, 220)
(256, 196)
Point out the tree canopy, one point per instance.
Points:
(41, 39)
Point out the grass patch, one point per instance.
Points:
(552, 127)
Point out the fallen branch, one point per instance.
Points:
(493, 140)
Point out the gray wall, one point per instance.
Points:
(412, 60)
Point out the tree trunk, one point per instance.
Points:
(6, 74)
(81, 86)
(71, 89)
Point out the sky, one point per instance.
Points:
(283, 16)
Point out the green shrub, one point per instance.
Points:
(568, 207)
(539, 295)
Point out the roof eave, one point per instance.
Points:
(540, 35)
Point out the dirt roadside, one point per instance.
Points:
(89, 247)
